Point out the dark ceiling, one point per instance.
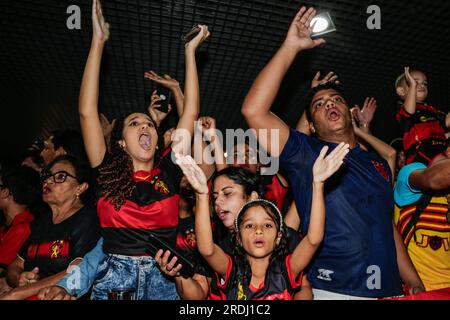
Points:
(42, 60)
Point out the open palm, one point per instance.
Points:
(100, 28)
(193, 173)
(299, 33)
(325, 167)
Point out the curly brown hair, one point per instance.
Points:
(116, 176)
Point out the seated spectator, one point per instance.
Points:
(423, 219)
(59, 238)
(20, 189)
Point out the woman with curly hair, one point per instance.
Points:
(138, 188)
(260, 267)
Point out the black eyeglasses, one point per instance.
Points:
(58, 177)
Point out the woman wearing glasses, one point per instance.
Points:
(61, 236)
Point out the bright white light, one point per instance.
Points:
(320, 24)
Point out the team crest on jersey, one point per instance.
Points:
(381, 169)
(325, 274)
(160, 185)
(56, 249)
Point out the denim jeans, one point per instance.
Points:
(139, 274)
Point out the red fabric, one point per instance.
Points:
(12, 240)
(51, 250)
(275, 192)
(428, 128)
(441, 294)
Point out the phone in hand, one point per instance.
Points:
(154, 244)
(165, 95)
(191, 34)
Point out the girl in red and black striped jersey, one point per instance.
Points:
(139, 190)
(261, 269)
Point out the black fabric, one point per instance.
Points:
(187, 245)
(277, 284)
(52, 247)
(126, 231)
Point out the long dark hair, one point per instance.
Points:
(243, 177)
(116, 176)
(280, 250)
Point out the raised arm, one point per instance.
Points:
(182, 143)
(436, 177)
(383, 149)
(324, 167)
(91, 128)
(410, 100)
(256, 107)
(209, 157)
(213, 254)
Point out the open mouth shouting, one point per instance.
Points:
(145, 141)
(223, 214)
(333, 114)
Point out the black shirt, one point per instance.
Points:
(52, 247)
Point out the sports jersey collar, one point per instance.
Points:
(143, 175)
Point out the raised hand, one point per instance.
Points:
(208, 127)
(193, 173)
(166, 80)
(330, 77)
(409, 78)
(199, 38)
(107, 127)
(153, 109)
(325, 167)
(100, 28)
(365, 115)
(299, 33)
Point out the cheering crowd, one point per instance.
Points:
(133, 209)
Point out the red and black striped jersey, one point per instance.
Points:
(151, 208)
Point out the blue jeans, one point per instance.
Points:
(140, 274)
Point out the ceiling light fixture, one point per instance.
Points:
(322, 24)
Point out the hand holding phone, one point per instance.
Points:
(191, 34)
(164, 98)
(155, 244)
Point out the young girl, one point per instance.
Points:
(260, 268)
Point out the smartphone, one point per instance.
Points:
(191, 34)
(165, 95)
(154, 244)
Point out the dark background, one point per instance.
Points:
(42, 60)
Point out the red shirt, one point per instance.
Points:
(12, 238)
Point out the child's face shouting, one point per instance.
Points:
(259, 233)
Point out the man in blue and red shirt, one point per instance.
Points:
(362, 254)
